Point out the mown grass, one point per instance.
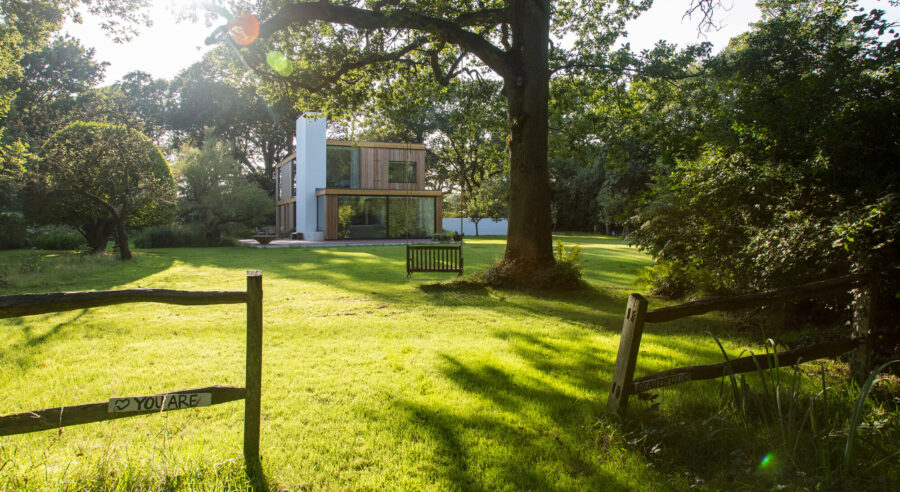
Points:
(370, 381)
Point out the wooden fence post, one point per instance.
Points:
(626, 359)
(863, 322)
(253, 383)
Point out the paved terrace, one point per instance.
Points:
(294, 243)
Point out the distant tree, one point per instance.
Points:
(214, 98)
(213, 191)
(137, 100)
(488, 201)
(100, 178)
(25, 27)
(54, 81)
(802, 124)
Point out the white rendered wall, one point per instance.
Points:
(310, 173)
(486, 227)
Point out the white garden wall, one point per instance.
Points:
(486, 227)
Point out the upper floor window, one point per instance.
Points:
(293, 165)
(342, 167)
(286, 181)
(402, 171)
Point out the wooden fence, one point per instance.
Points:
(636, 316)
(116, 408)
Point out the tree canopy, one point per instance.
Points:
(798, 177)
(97, 177)
(345, 47)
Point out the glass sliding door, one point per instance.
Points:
(362, 217)
(411, 217)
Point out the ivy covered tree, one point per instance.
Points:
(100, 178)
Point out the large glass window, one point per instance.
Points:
(362, 217)
(342, 167)
(411, 217)
(287, 181)
(402, 171)
(320, 213)
(278, 184)
(293, 177)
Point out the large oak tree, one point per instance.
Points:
(361, 43)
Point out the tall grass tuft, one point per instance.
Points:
(821, 422)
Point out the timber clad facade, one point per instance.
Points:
(373, 190)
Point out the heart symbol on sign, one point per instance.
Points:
(122, 404)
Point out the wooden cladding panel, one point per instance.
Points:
(331, 217)
(373, 168)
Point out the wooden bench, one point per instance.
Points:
(443, 259)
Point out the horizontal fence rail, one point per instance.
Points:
(755, 300)
(752, 363)
(29, 304)
(636, 315)
(53, 418)
(121, 407)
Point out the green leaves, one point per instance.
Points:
(92, 171)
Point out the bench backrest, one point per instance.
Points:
(444, 258)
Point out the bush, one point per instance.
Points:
(56, 237)
(171, 236)
(178, 236)
(13, 233)
(446, 236)
(673, 279)
(564, 275)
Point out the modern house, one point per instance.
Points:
(334, 189)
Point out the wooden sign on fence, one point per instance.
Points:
(171, 401)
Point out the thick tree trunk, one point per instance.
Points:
(122, 235)
(529, 243)
(97, 235)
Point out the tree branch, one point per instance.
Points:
(349, 66)
(451, 31)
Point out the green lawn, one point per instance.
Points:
(370, 381)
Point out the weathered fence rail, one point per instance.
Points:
(636, 315)
(122, 407)
(30, 304)
(755, 300)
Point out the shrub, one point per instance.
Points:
(564, 275)
(56, 237)
(674, 279)
(179, 236)
(445, 236)
(171, 236)
(13, 233)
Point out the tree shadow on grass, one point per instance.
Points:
(524, 430)
(57, 272)
(21, 353)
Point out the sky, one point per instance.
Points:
(170, 46)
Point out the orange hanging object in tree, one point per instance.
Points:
(243, 29)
